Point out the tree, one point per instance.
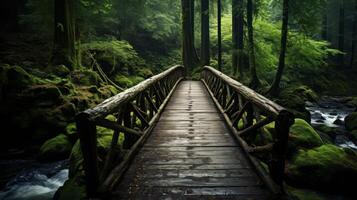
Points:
(189, 54)
(254, 77)
(354, 37)
(275, 87)
(64, 34)
(219, 34)
(341, 32)
(205, 42)
(237, 36)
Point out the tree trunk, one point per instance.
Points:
(189, 53)
(64, 34)
(275, 88)
(237, 36)
(219, 34)
(354, 37)
(341, 33)
(254, 77)
(205, 42)
(324, 24)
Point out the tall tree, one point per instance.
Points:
(237, 36)
(341, 32)
(354, 37)
(205, 42)
(254, 77)
(275, 88)
(219, 34)
(189, 54)
(64, 34)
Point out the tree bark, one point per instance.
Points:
(237, 36)
(219, 34)
(64, 34)
(205, 40)
(189, 54)
(341, 33)
(275, 88)
(254, 77)
(354, 37)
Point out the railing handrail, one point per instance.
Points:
(238, 103)
(257, 99)
(116, 101)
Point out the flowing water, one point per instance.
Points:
(331, 111)
(37, 181)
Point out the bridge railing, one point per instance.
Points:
(135, 112)
(246, 113)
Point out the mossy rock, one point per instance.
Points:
(296, 103)
(354, 136)
(57, 148)
(45, 93)
(326, 167)
(123, 81)
(16, 78)
(73, 188)
(302, 135)
(85, 77)
(307, 93)
(351, 121)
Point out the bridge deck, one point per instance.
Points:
(191, 155)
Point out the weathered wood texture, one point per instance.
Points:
(190, 154)
(135, 112)
(246, 113)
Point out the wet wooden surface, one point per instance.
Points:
(190, 155)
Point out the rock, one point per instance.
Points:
(327, 167)
(72, 189)
(309, 104)
(16, 78)
(331, 132)
(44, 93)
(57, 148)
(85, 77)
(338, 121)
(302, 135)
(351, 121)
(354, 136)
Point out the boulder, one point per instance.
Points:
(302, 135)
(57, 148)
(351, 121)
(327, 167)
(72, 189)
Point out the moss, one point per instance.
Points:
(325, 167)
(307, 93)
(351, 121)
(57, 148)
(296, 102)
(302, 135)
(136, 79)
(73, 188)
(60, 70)
(123, 81)
(85, 77)
(144, 72)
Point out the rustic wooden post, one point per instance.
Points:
(277, 164)
(87, 133)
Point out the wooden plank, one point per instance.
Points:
(190, 153)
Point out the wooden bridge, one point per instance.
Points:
(186, 140)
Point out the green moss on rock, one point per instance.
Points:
(302, 135)
(351, 121)
(57, 148)
(325, 167)
(73, 188)
(123, 81)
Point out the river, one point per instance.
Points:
(35, 181)
(331, 111)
